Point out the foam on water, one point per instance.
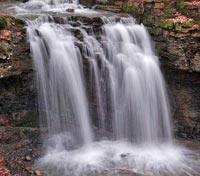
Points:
(120, 158)
(41, 6)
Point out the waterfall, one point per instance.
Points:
(51, 2)
(129, 126)
(62, 95)
(102, 99)
(140, 111)
(139, 99)
(41, 6)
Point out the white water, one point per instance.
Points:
(44, 6)
(119, 158)
(139, 99)
(61, 88)
(131, 108)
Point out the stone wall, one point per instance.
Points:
(175, 29)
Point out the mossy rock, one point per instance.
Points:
(178, 26)
(155, 31)
(148, 20)
(188, 24)
(166, 24)
(3, 23)
(132, 8)
(5, 50)
(193, 14)
(169, 13)
(180, 4)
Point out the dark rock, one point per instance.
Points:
(70, 10)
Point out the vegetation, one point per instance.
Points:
(166, 24)
(3, 23)
(181, 4)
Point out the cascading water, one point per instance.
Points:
(140, 107)
(131, 106)
(44, 6)
(60, 79)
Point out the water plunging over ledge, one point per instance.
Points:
(128, 132)
(39, 7)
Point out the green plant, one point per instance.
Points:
(3, 23)
(166, 24)
(181, 4)
(188, 24)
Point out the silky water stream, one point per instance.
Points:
(127, 129)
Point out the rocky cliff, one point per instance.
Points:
(18, 115)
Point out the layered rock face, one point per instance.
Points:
(18, 116)
(17, 93)
(174, 27)
(175, 30)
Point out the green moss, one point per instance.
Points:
(145, 22)
(148, 20)
(3, 23)
(181, 4)
(166, 24)
(188, 24)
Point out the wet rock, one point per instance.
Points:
(88, 3)
(38, 172)
(28, 158)
(70, 10)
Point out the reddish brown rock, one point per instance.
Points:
(3, 169)
(159, 6)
